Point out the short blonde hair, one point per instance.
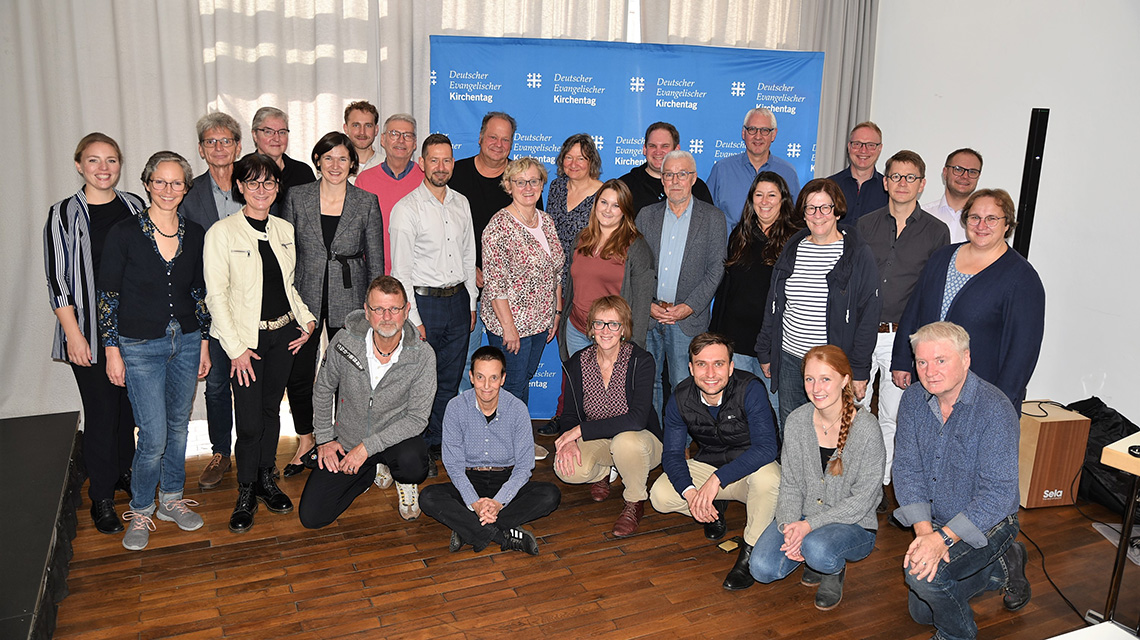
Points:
(948, 331)
(519, 165)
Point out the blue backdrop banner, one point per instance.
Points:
(613, 91)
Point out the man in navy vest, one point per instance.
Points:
(727, 414)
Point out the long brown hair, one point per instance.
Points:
(622, 237)
(748, 232)
(834, 357)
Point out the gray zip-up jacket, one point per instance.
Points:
(397, 409)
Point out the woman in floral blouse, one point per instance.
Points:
(522, 268)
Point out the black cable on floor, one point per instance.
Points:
(1054, 584)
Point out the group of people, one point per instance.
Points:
(747, 315)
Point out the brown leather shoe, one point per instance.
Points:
(600, 490)
(629, 519)
(212, 474)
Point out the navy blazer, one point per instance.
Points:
(703, 263)
(199, 205)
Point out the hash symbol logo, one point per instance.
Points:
(794, 150)
(533, 80)
(737, 89)
(433, 77)
(696, 146)
(599, 142)
(637, 84)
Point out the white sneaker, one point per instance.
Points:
(409, 500)
(383, 476)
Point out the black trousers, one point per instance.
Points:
(301, 378)
(257, 408)
(108, 428)
(443, 502)
(327, 494)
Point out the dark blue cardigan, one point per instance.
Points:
(1002, 308)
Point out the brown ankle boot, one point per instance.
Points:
(629, 519)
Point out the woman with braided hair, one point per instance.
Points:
(830, 484)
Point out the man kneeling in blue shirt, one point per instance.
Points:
(955, 475)
(488, 451)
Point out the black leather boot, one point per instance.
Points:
(104, 516)
(242, 518)
(265, 489)
(739, 577)
(830, 591)
(716, 529)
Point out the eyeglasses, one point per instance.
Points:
(269, 133)
(898, 177)
(870, 146)
(258, 185)
(677, 175)
(958, 171)
(406, 135)
(161, 185)
(386, 311)
(213, 142)
(533, 182)
(821, 210)
(975, 220)
(612, 325)
(755, 130)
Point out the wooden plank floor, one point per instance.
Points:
(372, 575)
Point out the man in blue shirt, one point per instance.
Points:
(727, 413)
(955, 475)
(860, 181)
(488, 452)
(730, 177)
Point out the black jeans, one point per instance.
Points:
(327, 494)
(301, 378)
(108, 428)
(443, 502)
(257, 407)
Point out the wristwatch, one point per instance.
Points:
(945, 538)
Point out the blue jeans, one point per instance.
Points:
(521, 366)
(219, 400)
(826, 550)
(945, 602)
(447, 322)
(575, 340)
(161, 376)
(668, 342)
(474, 341)
(752, 365)
(791, 387)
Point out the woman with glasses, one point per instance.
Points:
(990, 291)
(74, 236)
(522, 265)
(608, 416)
(766, 224)
(824, 290)
(157, 351)
(261, 321)
(340, 249)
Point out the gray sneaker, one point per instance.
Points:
(138, 533)
(173, 508)
(409, 500)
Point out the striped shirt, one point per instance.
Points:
(805, 313)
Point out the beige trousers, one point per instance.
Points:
(757, 490)
(634, 453)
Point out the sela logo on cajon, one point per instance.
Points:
(1053, 494)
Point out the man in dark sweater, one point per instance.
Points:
(644, 181)
(727, 414)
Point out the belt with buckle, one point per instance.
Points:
(439, 292)
(276, 323)
(888, 327)
(489, 468)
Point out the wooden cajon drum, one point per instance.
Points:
(1052, 450)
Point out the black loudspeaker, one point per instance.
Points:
(1030, 179)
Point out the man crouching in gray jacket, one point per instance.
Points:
(381, 378)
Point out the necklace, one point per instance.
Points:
(533, 218)
(381, 352)
(155, 225)
(832, 425)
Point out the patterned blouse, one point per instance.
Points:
(570, 223)
(516, 268)
(599, 401)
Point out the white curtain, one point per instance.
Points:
(144, 71)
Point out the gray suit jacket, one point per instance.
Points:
(198, 205)
(703, 263)
(358, 246)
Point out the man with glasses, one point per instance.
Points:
(960, 175)
(209, 200)
(381, 378)
(271, 137)
(861, 183)
(644, 182)
(433, 254)
(397, 175)
(361, 120)
(730, 177)
(902, 236)
(687, 238)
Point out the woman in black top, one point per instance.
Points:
(765, 226)
(74, 235)
(155, 329)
